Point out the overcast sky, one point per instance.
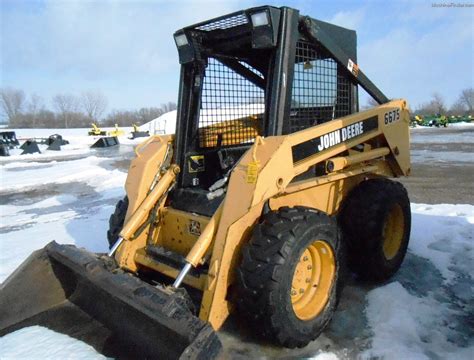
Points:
(125, 49)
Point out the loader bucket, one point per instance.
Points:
(9, 138)
(105, 141)
(30, 147)
(137, 134)
(54, 145)
(4, 150)
(85, 296)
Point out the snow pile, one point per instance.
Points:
(429, 317)
(444, 235)
(37, 342)
(409, 327)
(232, 112)
(166, 123)
(23, 176)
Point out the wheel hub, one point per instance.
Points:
(312, 280)
(393, 232)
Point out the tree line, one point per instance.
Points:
(464, 105)
(70, 111)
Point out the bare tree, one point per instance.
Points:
(435, 106)
(65, 105)
(12, 102)
(437, 103)
(35, 105)
(169, 106)
(458, 108)
(467, 98)
(94, 104)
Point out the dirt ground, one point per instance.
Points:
(435, 179)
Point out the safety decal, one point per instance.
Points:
(194, 227)
(353, 67)
(252, 172)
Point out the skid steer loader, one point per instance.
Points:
(272, 183)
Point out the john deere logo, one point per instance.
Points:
(194, 227)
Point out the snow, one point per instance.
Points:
(424, 312)
(443, 135)
(36, 342)
(45, 174)
(164, 124)
(325, 356)
(444, 235)
(79, 144)
(462, 124)
(409, 327)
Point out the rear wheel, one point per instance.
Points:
(290, 275)
(116, 221)
(375, 222)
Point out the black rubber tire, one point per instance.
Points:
(265, 274)
(362, 220)
(116, 221)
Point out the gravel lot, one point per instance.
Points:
(442, 166)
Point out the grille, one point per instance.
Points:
(231, 107)
(320, 92)
(225, 23)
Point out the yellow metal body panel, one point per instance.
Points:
(266, 172)
(179, 230)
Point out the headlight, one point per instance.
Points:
(181, 40)
(259, 19)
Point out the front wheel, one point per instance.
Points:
(290, 276)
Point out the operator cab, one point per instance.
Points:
(256, 72)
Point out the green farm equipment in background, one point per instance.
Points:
(460, 118)
(439, 120)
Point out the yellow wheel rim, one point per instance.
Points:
(393, 232)
(312, 280)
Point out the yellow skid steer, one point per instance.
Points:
(272, 176)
